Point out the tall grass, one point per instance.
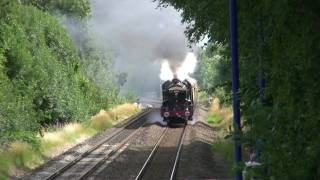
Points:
(219, 115)
(221, 118)
(53, 142)
(101, 121)
(20, 155)
(107, 118)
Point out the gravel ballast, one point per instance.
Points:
(197, 160)
(57, 162)
(128, 163)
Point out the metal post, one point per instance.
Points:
(235, 82)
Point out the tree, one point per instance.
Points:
(42, 77)
(213, 73)
(75, 8)
(278, 44)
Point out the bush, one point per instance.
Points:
(101, 121)
(41, 76)
(106, 118)
(279, 76)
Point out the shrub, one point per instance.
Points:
(101, 121)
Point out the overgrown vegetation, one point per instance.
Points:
(213, 72)
(22, 155)
(44, 78)
(279, 67)
(220, 117)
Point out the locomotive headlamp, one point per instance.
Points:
(166, 114)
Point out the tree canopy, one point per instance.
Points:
(74, 8)
(279, 70)
(43, 80)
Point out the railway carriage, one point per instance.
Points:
(179, 101)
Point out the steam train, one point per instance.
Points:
(179, 101)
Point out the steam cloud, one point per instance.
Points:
(143, 37)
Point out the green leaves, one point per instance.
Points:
(75, 8)
(42, 79)
(213, 73)
(278, 43)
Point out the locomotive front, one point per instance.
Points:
(178, 101)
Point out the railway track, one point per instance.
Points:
(86, 163)
(163, 160)
(203, 108)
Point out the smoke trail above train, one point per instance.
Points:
(144, 38)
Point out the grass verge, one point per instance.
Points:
(221, 118)
(20, 156)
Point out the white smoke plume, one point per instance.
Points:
(183, 71)
(142, 36)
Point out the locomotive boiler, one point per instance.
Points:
(179, 101)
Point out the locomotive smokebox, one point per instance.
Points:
(179, 100)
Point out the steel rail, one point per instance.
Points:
(175, 165)
(155, 148)
(145, 165)
(110, 154)
(86, 153)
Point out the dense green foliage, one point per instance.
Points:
(213, 72)
(42, 78)
(98, 63)
(74, 8)
(278, 43)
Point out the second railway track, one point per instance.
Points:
(87, 162)
(154, 152)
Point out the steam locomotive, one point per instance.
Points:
(179, 101)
